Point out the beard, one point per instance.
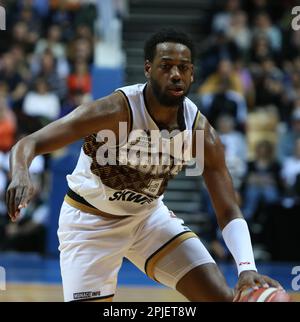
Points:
(164, 98)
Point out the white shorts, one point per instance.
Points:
(92, 249)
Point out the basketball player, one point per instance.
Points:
(116, 211)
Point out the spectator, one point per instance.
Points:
(48, 68)
(80, 79)
(262, 183)
(218, 96)
(291, 169)
(222, 20)
(81, 49)
(7, 126)
(260, 49)
(52, 42)
(220, 47)
(274, 8)
(247, 82)
(263, 26)
(236, 145)
(17, 87)
(41, 102)
(224, 71)
(269, 86)
(287, 140)
(239, 31)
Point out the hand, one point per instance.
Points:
(18, 195)
(252, 279)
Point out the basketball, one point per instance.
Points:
(262, 294)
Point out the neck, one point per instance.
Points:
(164, 115)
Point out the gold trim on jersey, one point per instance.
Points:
(130, 116)
(196, 121)
(94, 211)
(164, 250)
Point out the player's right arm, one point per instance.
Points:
(86, 119)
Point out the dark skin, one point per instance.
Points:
(171, 71)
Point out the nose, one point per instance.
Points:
(175, 74)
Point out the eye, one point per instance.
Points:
(165, 66)
(183, 67)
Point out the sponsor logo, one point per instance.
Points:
(244, 263)
(127, 195)
(86, 295)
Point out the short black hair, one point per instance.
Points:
(167, 35)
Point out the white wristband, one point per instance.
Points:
(237, 238)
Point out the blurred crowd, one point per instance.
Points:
(46, 56)
(250, 92)
(248, 88)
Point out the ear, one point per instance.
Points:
(147, 68)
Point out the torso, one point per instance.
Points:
(125, 188)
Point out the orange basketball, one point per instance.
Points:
(270, 294)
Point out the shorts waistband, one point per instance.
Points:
(78, 202)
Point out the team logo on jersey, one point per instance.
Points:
(153, 187)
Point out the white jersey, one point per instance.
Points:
(111, 180)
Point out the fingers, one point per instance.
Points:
(10, 202)
(16, 199)
(24, 198)
(261, 282)
(237, 296)
(19, 195)
(273, 283)
(265, 281)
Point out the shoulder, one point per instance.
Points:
(114, 103)
(210, 134)
(131, 90)
(103, 113)
(213, 147)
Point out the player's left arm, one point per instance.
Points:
(229, 216)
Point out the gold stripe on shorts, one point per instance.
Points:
(164, 250)
(82, 207)
(91, 210)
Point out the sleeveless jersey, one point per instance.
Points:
(130, 178)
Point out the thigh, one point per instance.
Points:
(159, 235)
(91, 253)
